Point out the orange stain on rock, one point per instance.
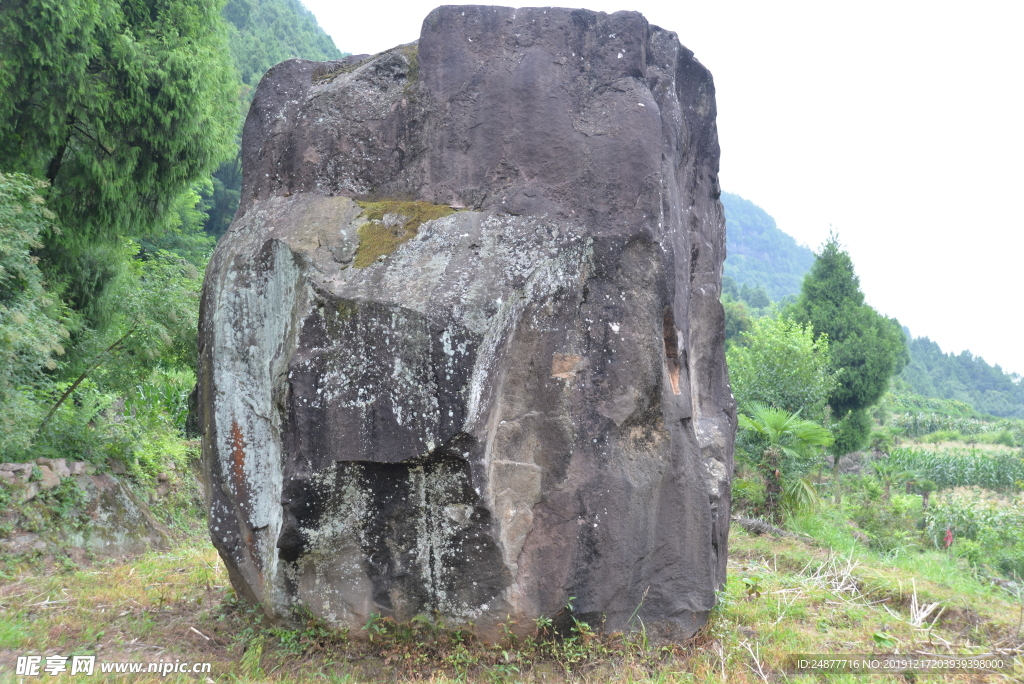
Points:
(237, 454)
(241, 487)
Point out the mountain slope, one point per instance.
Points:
(964, 377)
(759, 253)
(760, 256)
(261, 33)
(265, 32)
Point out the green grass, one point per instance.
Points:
(829, 595)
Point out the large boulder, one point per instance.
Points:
(462, 348)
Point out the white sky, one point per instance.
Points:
(898, 123)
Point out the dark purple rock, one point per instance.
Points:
(526, 401)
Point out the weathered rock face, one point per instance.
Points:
(486, 412)
(111, 519)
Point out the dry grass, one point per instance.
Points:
(783, 597)
(138, 610)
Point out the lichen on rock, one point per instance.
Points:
(408, 409)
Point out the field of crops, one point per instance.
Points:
(963, 467)
(920, 423)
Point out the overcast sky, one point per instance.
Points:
(897, 123)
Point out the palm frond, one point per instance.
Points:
(800, 495)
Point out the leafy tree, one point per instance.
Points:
(157, 304)
(779, 362)
(867, 348)
(781, 450)
(737, 320)
(120, 105)
(756, 296)
(181, 229)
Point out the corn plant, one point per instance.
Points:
(962, 467)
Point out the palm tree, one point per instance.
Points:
(784, 440)
(924, 487)
(890, 473)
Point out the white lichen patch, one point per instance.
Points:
(254, 323)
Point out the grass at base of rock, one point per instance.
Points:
(389, 224)
(783, 596)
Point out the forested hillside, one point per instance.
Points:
(261, 33)
(761, 254)
(766, 265)
(963, 377)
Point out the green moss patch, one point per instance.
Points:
(412, 54)
(389, 224)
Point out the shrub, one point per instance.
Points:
(892, 524)
(986, 527)
(748, 495)
(973, 513)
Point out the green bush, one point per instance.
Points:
(87, 428)
(1004, 437)
(973, 513)
(163, 395)
(748, 495)
(942, 436)
(985, 527)
(891, 525)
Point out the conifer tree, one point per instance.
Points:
(867, 349)
(121, 105)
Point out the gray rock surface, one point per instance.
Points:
(503, 407)
(119, 522)
(59, 466)
(48, 479)
(21, 471)
(105, 518)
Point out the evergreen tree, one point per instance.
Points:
(32, 334)
(867, 348)
(120, 105)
